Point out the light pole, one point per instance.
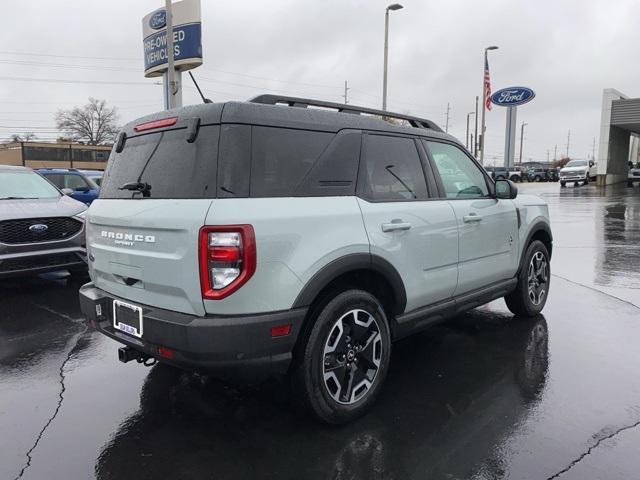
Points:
(484, 100)
(393, 6)
(466, 139)
(521, 138)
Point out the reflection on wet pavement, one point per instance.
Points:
(485, 396)
(597, 236)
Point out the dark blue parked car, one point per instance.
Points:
(85, 190)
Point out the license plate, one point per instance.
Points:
(127, 318)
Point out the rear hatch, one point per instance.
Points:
(142, 232)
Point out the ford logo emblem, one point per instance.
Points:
(512, 96)
(38, 228)
(158, 20)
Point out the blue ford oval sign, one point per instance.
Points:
(512, 96)
(158, 20)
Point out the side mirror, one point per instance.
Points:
(506, 189)
(591, 164)
(67, 191)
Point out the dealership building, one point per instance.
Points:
(55, 155)
(619, 136)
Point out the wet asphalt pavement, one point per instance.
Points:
(484, 396)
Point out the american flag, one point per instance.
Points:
(487, 84)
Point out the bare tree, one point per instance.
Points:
(94, 123)
(561, 162)
(25, 137)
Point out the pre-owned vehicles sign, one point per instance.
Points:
(187, 38)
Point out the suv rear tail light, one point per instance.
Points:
(227, 259)
(153, 124)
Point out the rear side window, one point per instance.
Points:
(57, 180)
(173, 167)
(74, 182)
(392, 170)
(281, 158)
(234, 163)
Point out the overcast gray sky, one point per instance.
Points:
(565, 50)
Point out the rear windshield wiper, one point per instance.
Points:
(141, 187)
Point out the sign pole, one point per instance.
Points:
(510, 98)
(510, 137)
(171, 37)
(172, 87)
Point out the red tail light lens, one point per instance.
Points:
(227, 259)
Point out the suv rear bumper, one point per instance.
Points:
(238, 347)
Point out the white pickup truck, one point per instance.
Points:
(578, 171)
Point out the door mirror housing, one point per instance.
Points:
(67, 191)
(506, 189)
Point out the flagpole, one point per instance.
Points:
(484, 99)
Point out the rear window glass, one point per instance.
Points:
(165, 160)
(280, 159)
(392, 170)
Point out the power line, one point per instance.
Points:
(113, 67)
(60, 80)
(32, 54)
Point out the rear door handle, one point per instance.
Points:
(396, 224)
(472, 217)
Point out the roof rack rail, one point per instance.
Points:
(340, 107)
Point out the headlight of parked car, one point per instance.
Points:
(80, 216)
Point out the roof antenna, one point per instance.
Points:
(205, 100)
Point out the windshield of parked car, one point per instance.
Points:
(577, 163)
(25, 184)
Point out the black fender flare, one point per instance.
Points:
(350, 263)
(538, 226)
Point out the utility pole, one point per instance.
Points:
(521, 139)
(466, 138)
(446, 127)
(555, 152)
(475, 146)
(547, 156)
(568, 142)
(346, 100)
(593, 149)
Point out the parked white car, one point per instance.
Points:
(578, 171)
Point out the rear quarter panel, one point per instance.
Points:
(295, 238)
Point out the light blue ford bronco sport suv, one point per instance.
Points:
(286, 236)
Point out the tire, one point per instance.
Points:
(337, 347)
(537, 179)
(586, 180)
(629, 183)
(576, 184)
(563, 184)
(522, 301)
(515, 179)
